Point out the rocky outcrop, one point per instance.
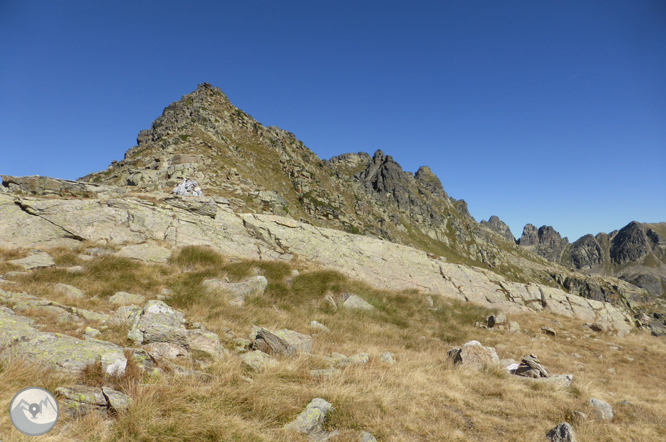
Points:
(545, 241)
(499, 227)
(586, 253)
(474, 355)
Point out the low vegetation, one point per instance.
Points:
(422, 397)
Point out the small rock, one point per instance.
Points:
(387, 357)
(238, 291)
(117, 401)
(166, 350)
(579, 417)
(367, 437)
(145, 252)
(496, 319)
(258, 360)
(356, 302)
(357, 359)
(513, 327)
(310, 422)
(549, 331)
(75, 269)
(123, 298)
(69, 291)
(36, 260)
(282, 341)
(319, 326)
(531, 367)
(562, 433)
(92, 332)
(474, 355)
(324, 373)
(601, 409)
(328, 299)
(117, 368)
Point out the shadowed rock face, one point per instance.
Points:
(586, 253)
(545, 241)
(630, 244)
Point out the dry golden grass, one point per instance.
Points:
(423, 397)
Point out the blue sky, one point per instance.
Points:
(538, 112)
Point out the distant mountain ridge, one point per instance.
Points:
(267, 170)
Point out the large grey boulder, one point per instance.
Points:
(310, 422)
(562, 433)
(237, 291)
(601, 410)
(474, 355)
(285, 342)
(160, 323)
(36, 260)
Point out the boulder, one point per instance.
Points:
(549, 331)
(310, 422)
(285, 342)
(258, 360)
(355, 302)
(69, 291)
(36, 260)
(319, 326)
(188, 188)
(474, 355)
(238, 291)
(367, 437)
(387, 357)
(80, 400)
(562, 433)
(159, 323)
(496, 319)
(531, 367)
(145, 252)
(123, 298)
(601, 410)
(166, 350)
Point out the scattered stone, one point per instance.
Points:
(123, 298)
(387, 357)
(355, 302)
(166, 350)
(92, 332)
(328, 299)
(282, 341)
(601, 327)
(145, 252)
(531, 367)
(160, 323)
(357, 359)
(69, 291)
(549, 331)
(601, 410)
(367, 437)
(75, 269)
(496, 319)
(237, 291)
(319, 326)
(310, 422)
(129, 315)
(36, 260)
(117, 368)
(117, 401)
(557, 380)
(562, 433)
(324, 373)
(258, 360)
(188, 187)
(579, 417)
(78, 401)
(474, 355)
(513, 327)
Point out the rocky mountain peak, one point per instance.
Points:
(545, 241)
(498, 226)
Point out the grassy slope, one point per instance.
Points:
(420, 398)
